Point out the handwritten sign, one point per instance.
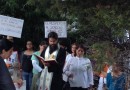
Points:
(11, 26)
(60, 27)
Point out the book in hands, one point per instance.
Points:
(50, 61)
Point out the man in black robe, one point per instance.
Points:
(56, 69)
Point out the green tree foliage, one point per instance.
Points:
(97, 20)
(103, 52)
(101, 20)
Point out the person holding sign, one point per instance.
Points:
(51, 77)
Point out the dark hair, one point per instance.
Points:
(53, 35)
(43, 43)
(83, 47)
(76, 44)
(62, 42)
(5, 45)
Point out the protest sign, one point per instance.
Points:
(11, 26)
(60, 27)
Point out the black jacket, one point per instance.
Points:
(57, 82)
(6, 82)
(57, 68)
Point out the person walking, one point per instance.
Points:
(79, 70)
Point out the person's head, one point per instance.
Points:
(116, 68)
(29, 45)
(105, 66)
(73, 48)
(52, 38)
(42, 45)
(6, 48)
(53, 41)
(80, 51)
(10, 38)
(63, 43)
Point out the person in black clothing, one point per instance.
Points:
(56, 52)
(6, 48)
(26, 64)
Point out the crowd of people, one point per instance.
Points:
(73, 68)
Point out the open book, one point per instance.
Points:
(41, 59)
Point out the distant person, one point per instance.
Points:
(26, 64)
(73, 52)
(79, 70)
(102, 79)
(14, 56)
(69, 56)
(116, 79)
(53, 79)
(36, 67)
(63, 44)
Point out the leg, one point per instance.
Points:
(34, 81)
(30, 79)
(57, 83)
(26, 77)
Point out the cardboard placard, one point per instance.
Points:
(11, 26)
(60, 27)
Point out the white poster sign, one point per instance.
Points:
(60, 27)
(11, 26)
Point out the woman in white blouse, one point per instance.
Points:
(79, 70)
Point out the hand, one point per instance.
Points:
(19, 83)
(47, 64)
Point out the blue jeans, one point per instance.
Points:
(28, 77)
